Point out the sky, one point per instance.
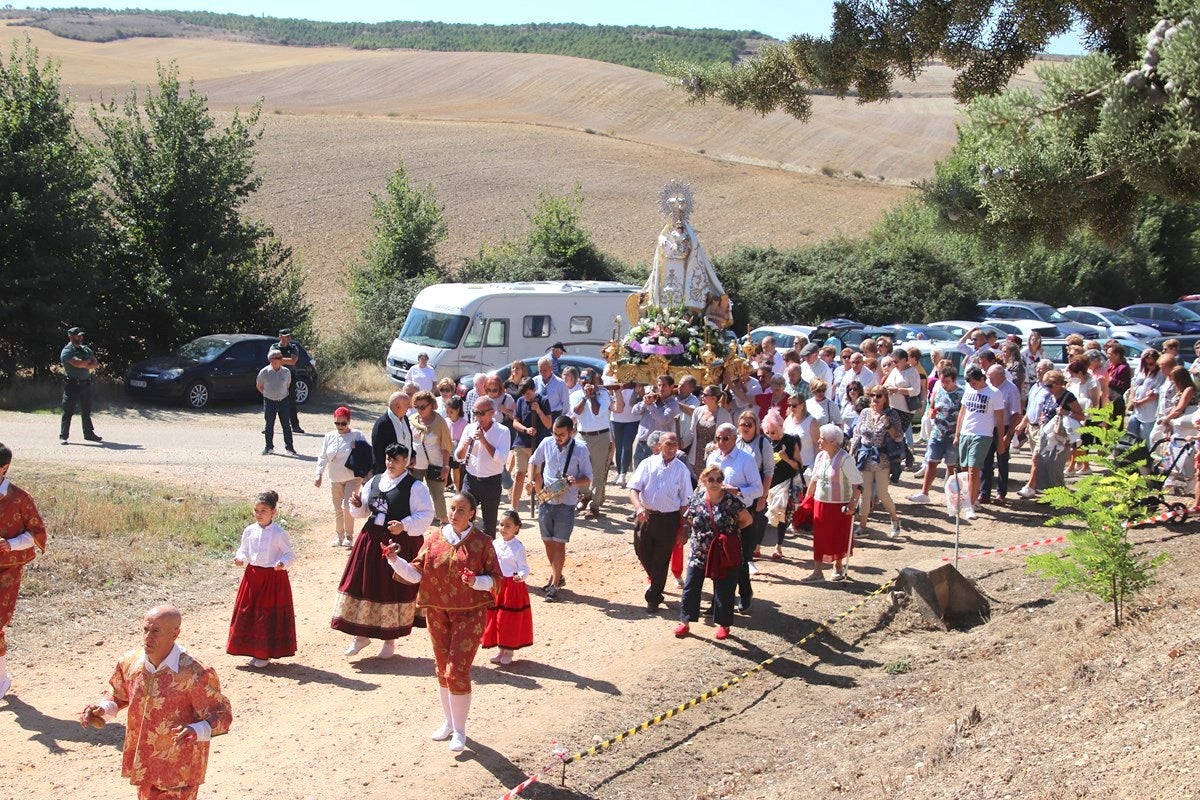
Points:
(777, 18)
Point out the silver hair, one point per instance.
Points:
(546, 360)
(1044, 364)
(652, 439)
(411, 388)
(478, 381)
(728, 427)
(833, 433)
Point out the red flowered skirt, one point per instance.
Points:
(831, 532)
(510, 621)
(264, 622)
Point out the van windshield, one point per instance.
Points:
(433, 328)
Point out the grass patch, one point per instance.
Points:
(858, 173)
(359, 381)
(897, 667)
(112, 533)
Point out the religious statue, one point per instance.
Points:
(682, 274)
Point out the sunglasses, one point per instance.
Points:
(340, 424)
(713, 480)
(745, 424)
(446, 390)
(422, 406)
(722, 436)
(793, 405)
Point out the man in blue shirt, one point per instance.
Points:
(561, 467)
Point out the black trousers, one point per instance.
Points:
(271, 409)
(77, 393)
(998, 463)
(653, 541)
(293, 411)
(486, 492)
(689, 608)
(751, 537)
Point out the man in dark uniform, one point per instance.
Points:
(291, 354)
(79, 362)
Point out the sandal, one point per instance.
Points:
(777, 556)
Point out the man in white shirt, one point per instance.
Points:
(972, 343)
(857, 371)
(551, 387)
(742, 477)
(590, 405)
(997, 460)
(982, 413)
(483, 449)
(422, 374)
(904, 386)
(660, 489)
(770, 356)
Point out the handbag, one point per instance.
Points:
(361, 458)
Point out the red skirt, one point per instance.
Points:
(510, 621)
(831, 532)
(264, 622)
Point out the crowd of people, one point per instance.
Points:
(809, 438)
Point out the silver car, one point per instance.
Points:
(1109, 323)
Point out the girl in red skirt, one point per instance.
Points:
(264, 622)
(510, 622)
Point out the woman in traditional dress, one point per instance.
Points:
(370, 604)
(458, 574)
(715, 551)
(835, 488)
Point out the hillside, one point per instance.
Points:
(491, 130)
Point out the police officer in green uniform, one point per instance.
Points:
(79, 362)
(291, 354)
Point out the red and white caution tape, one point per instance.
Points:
(1025, 546)
(1165, 516)
(560, 756)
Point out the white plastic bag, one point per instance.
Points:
(956, 498)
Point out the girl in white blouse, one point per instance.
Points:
(510, 621)
(264, 620)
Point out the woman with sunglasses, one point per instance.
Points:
(878, 429)
(1142, 402)
(752, 441)
(335, 449)
(398, 510)
(445, 388)
(789, 465)
(854, 391)
(715, 550)
(705, 419)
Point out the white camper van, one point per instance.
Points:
(474, 327)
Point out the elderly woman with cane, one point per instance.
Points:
(835, 488)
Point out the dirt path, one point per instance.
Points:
(322, 725)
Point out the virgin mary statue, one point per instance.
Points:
(682, 274)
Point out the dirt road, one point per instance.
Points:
(322, 725)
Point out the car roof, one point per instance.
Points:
(1093, 309)
(1038, 303)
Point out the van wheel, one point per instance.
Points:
(303, 391)
(198, 395)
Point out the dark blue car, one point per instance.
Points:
(1166, 317)
(211, 367)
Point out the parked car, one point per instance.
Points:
(1029, 310)
(1024, 327)
(1192, 305)
(531, 364)
(846, 332)
(785, 335)
(911, 332)
(1167, 318)
(223, 365)
(925, 363)
(957, 327)
(1107, 323)
(1056, 351)
(1187, 347)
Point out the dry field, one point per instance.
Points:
(492, 130)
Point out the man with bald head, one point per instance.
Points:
(175, 708)
(392, 426)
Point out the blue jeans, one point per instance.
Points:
(693, 585)
(623, 434)
(281, 409)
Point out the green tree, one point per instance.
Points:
(1099, 559)
(178, 187)
(398, 262)
(52, 232)
(1105, 134)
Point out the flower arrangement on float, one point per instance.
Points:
(669, 332)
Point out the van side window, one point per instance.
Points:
(497, 333)
(536, 327)
(581, 324)
(474, 336)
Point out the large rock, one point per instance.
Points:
(944, 596)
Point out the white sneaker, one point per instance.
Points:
(495, 659)
(358, 644)
(968, 513)
(1027, 492)
(919, 497)
(443, 733)
(895, 532)
(388, 650)
(920, 473)
(621, 479)
(337, 541)
(259, 662)
(458, 742)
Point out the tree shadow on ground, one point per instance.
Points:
(50, 731)
(303, 674)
